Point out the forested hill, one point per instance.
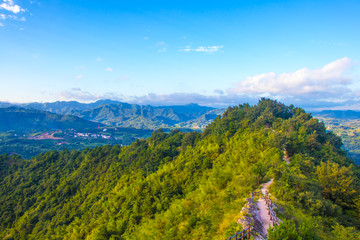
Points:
(188, 185)
(132, 115)
(14, 118)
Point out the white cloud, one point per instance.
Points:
(209, 49)
(109, 69)
(186, 98)
(324, 83)
(79, 77)
(326, 87)
(12, 12)
(14, 17)
(99, 59)
(10, 6)
(162, 47)
(77, 94)
(1, 24)
(162, 50)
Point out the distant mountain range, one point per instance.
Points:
(121, 114)
(339, 114)
(131, 115)
(15, 118)
(63, 107)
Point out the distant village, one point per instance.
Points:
(92, 135)
(71, 133)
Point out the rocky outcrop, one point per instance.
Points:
(250, 217)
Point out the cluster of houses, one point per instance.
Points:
(92, 135)
(73, 133)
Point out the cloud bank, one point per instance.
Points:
(324, 88)
(77, 94)
(327, 87)
(324, 83)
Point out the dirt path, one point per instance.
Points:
(286, 157)
(263, 211)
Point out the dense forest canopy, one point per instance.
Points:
(188, 185)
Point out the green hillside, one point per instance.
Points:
(188, 185)
(14, 118)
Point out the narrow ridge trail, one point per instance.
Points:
(261, 203)
(263, 209)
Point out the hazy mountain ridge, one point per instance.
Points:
(5, 104)
(126, 115)
(339, 114)
(15, 118)
(66, 107)
(132, 115)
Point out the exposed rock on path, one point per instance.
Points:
(256, 215)
(251, 218)
(263, 210)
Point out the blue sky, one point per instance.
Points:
(214, 53)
